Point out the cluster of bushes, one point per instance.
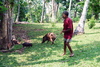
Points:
(91, 22)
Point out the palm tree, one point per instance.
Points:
(80, 28)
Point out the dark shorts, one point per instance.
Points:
(67, 40)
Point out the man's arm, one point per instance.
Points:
(69, 29)
(63, 31)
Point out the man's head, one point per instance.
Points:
(65, 14)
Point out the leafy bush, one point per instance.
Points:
(91, 22)
(75, 19)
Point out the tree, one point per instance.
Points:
(34, 11)
(54, 10)
(17, 18)
(70, 8)
(95, 8)
(80, 28)
(6, 24)
(43, 10)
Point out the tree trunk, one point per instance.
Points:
(75, 14)
(80, 28)
(57, 9)
(43, 10)
(17, 18)
(96, 16)
(70, 8)
(75, 11)
(6, 29)
(54, 10)
(3, 36)
(29, 9)
(31, 13)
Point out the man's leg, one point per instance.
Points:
(64, 47)
(70, 49)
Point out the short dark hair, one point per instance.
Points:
(66, 13)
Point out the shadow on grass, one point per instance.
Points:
(86, 52)
(6, 61)
(36, 30)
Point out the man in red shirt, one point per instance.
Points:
(68, 32)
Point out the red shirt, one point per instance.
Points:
(68, 24)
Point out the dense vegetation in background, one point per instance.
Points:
(31, 10)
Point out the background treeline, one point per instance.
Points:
(36, 11)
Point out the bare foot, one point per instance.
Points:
(63, 54)
(72, 54)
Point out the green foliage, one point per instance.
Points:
(2, 7)
(23, 11)
(30, 10)
(34, 14)
(59, 14)
(34, 11)
(91, 22)
(94, 8)
(76, 19)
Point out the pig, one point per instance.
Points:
(13, 42)
(49, 37)
(26, 44)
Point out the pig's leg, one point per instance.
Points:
(47, 41)
(51, 41)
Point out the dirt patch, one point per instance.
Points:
(20, 34)
(24, 22)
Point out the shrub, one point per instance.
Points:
(91, 22)
(75, 19)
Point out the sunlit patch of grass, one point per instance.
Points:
(86, 48)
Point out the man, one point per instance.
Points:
(68, 32)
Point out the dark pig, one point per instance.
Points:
(26, 44)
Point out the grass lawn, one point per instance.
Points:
(86, 48)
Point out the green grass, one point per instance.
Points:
(86, 48)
